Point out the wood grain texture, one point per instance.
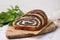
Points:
(13, 33)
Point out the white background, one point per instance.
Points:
(49, 6)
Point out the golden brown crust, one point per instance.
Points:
(27, 28)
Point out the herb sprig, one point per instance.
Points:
(10, 15)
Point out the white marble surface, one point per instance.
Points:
(55, 35)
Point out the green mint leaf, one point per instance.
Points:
(1, 25)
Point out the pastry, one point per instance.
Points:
(33, 23)
(32, 20)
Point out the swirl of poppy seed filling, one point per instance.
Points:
(26, 22)
(35, 16)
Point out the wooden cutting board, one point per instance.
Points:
(13, 33)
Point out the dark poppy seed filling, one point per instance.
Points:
(26, 22)
(34, 16)
(41, 13)
(41, 17)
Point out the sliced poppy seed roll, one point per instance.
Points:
(40, 14)
(27, 23)
(33, 20)
(36, 16)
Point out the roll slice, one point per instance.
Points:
(27, 23)
(41, 13)
(33, 20)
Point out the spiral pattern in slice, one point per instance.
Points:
(33, 20)
(40, 13)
